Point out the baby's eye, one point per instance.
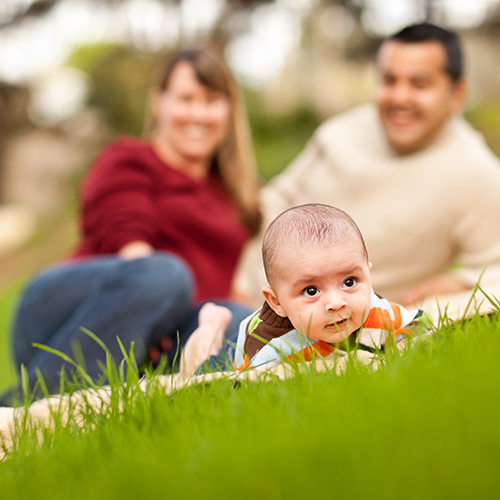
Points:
(310, 291)
(349, 283)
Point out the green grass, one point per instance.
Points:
(424, 426)
(8, 298)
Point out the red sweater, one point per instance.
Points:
(130, 194)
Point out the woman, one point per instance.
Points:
(164, 220)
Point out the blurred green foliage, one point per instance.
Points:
(120, 79)
(486, 118)
(277, 139)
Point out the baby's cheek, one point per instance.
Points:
(299, 322)
(361, 318)
(366, 311)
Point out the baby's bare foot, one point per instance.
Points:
(207, 339)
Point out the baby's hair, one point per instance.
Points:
(305, 225)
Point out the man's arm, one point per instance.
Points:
(476, 236)
(437, 285)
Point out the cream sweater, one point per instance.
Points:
(419, 213)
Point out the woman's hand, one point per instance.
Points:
(135, 250)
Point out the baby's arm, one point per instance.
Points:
(207, 339)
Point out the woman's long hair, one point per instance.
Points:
(234, 158)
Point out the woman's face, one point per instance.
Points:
(192, 120)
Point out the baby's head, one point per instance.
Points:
(318, 271)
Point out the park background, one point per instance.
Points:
(74, 74)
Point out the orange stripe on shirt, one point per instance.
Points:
(380, 318)
(318, 349)
(244, 365)
(309, 353)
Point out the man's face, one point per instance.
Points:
(324, 290)
(414, 95)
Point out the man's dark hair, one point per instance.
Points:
(426, 32)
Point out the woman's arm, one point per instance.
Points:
(118, 202)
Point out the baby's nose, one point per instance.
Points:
(334, 302)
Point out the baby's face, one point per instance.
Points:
(324, 290)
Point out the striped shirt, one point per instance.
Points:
(266, 339)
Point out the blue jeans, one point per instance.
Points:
(138, 300)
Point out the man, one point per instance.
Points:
(418, 180)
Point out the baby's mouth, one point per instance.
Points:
(338, 325)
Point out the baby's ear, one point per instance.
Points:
(370, 265)
(273, 301)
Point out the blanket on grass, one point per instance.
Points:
(43, 415)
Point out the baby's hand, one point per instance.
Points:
(207, 339)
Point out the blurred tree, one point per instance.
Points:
(120, 78)
(13, 112)
(19, 13)
(13, 108)
(231, 23)
(224, 29)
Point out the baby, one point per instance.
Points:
(319, 298)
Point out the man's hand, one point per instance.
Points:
(438, 285)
